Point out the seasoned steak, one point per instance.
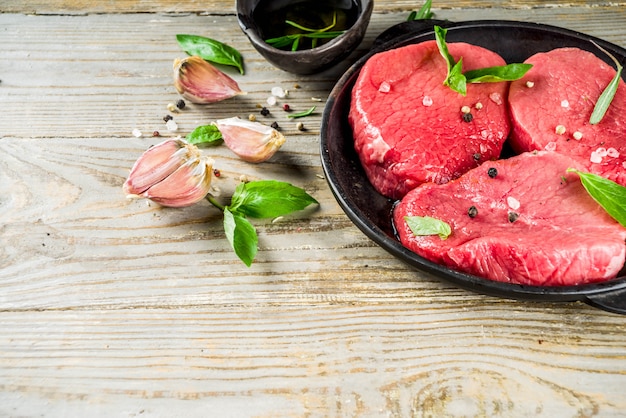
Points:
(409, 128)
(520, 220)
(551, 105)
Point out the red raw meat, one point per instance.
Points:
(561, 237)
(565, 84)
(409, 128)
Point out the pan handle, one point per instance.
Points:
(612, 301)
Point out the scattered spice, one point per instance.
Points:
(271, 100)
(252, 117)
(300, 126)
(216, 172)
(156, 133)
(172, 107)
(137, 133)
(466, 109)
(167, 118)
(477, 156)
(468, 117)
(286, 107)
(577, 135)
(492, 172)
(181, 104)
(278, 92)
(478, 105)
(275, 125)
(171, 125)
(530, 84)
(265, 111)
(513, 216)
(472, 212)
(559, 130)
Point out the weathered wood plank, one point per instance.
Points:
(113, 307)
(228, 6)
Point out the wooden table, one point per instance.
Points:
(113, 307)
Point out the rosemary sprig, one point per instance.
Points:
(309, 33)
(605, 99)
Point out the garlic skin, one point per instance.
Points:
(200, 82)
(173, 173)
(251, 141)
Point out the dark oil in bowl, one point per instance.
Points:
(313, 14)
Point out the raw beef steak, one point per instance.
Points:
(533, 224)
(409, 128)
(551, 106)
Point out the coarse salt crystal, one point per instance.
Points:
(384, 87)
(530, 84)
(427, 101)
(564, 103)
(278, 91)
(602, 152)
(595, 158)
(513, 203)
(496, 98)
(612, 152)
(171, 125)
(271, 100)
(550, 146)
(137, 133)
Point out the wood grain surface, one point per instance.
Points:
(113, 307)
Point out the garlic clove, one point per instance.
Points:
(186, 186)
(173, 173)
(155, 164)
(251, 141)
(200, 82)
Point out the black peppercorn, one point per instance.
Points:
(492, 172)
(167, 118)
(275, 125)
(180, 104)
(468, 117)
(513, 216)
(265, 111)
(472, 212)
(477, 156)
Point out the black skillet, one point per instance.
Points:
(371, 212)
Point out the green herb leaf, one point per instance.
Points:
(269, 199)
(425, 225)
(211, 50)
(454, 78)
(457, 80)
(423, 13)
(610, 195)
(302, 114)
(310, 33)
(509, 72)
(206, 134)
(241, 235)
(605, 99)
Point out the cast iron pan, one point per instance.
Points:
(371, 212)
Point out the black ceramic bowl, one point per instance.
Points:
(308, 61)
(371, 212)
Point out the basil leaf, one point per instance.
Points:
(610, 195)
(206, 134)
(508, 72)
(605, 99)
(241, 235)
(454, 78)
(423, 13)
(302, 114)
(425, 225)
(210, 50)
(269, 199)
